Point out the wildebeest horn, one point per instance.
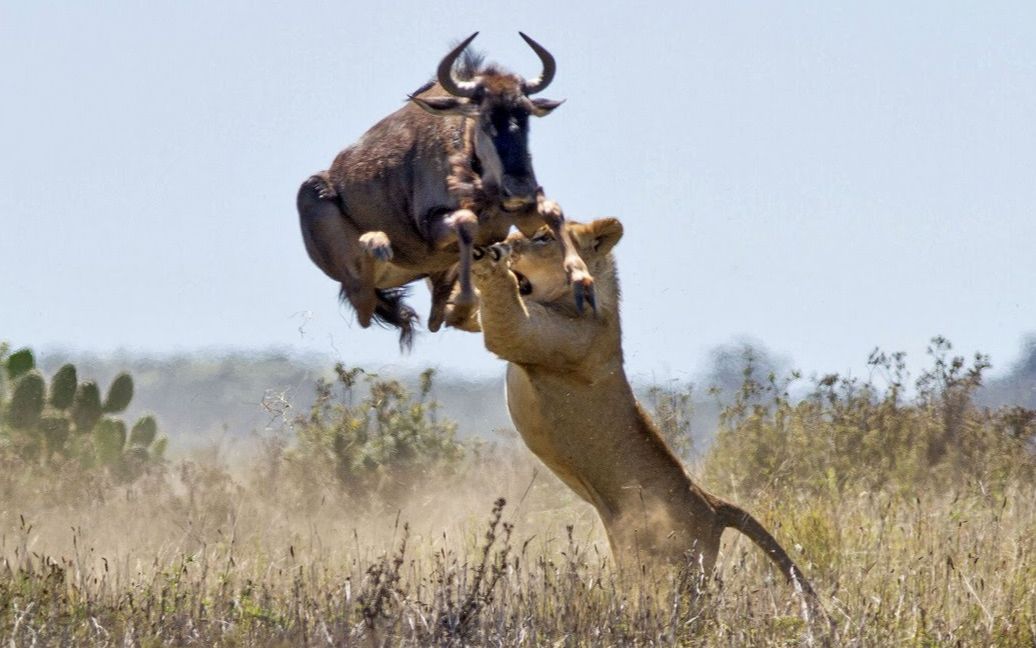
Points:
(549, 67)
(445, 73)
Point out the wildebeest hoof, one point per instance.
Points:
(550, 211)
(377, 245)
(478, 252)
(582, 285)
(584, 294)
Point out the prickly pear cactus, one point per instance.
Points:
(26, 401)
(68, 419)
(144, 432)
(109, 440)
(86, 409)
(119, 394)
(55, 431)
(20, 362)
(63, 387)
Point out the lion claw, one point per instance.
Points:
(499, 250)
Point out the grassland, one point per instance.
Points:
(910, 536)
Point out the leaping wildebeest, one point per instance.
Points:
(410, 199)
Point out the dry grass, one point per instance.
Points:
(201, 557)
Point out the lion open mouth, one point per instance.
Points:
(524, 285)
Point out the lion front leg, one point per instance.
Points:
(520, 331)
(502, 313)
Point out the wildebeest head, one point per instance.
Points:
(500, 103)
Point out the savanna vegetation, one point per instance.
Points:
(365, 520)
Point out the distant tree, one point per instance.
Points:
(730, 365)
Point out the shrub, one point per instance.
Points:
(376, 447)
(847, 433)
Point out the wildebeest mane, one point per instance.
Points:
(470, 64)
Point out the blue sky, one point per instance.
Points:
(824, 179)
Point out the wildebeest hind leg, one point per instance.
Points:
(333, 243)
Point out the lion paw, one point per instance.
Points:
(461, 311)
(464, 318)
(490, 260)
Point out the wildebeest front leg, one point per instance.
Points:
(462, 226)
(441, 285)
(575, 268)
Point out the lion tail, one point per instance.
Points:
(735, 517)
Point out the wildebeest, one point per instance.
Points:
(448, 171)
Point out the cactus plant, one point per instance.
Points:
(27, 401)
(20, 362)
(39, 421)
(158, 449)
(144, 432)
(55, 431)
(109, 440)
(127, 460)
(119, 394)
(86, 410)
(63, 387)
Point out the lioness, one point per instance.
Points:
(570, 400)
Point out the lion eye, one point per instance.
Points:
(542, 237)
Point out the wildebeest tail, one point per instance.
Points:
(393, 311)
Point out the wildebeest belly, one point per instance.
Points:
(390, 275)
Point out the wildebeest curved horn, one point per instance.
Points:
(445, 72)
(549, 67)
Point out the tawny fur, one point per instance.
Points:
(570, 400)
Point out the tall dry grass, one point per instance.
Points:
(278, 550)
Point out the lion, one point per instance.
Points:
(570, 400)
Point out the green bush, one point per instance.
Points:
(851, 434)
(376, 447)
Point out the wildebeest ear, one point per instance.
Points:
(602, 234)
(543, 107)
(443, 106)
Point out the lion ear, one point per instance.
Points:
(601, 235)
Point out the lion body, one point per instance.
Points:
(570, 399)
